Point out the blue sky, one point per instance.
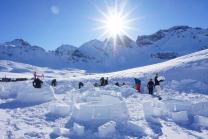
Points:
(50, 23)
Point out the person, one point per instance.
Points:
(35, 75)
(150, 86)
(106, 81)
(102, 81)
(157, 87)
(37, 83)
(53, 82)
(138, 84)
(117, 84)
(81, 84)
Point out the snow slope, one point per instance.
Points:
(105, 56)
(180, 114)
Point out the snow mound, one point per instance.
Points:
(8, 90)
(201, 121)
(60, 131)
(98, 110)
(107, 129)
(29, 94)
(180, 117)
(199, 109)
(60, 109)
(78, 129)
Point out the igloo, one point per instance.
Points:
(29, 94)
(99, 110)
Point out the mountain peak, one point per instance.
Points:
(18, 43)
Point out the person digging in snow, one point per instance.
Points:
(150, 86)
(137, 84)
(157, 86)
(37, 83)
(102, 81)
(81, 84)
(106, 81)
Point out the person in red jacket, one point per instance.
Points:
(137, 84)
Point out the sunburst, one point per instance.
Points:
(115, 21)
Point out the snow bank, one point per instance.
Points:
(78, 129)
(180, 117)
(127, 91)
(9, 89)
(60, 109)
(29, 94)
(135, 127)
(199, 109)
(201, 121)
(153, 109)
(60, 131)
(107, 129)
(99, 110)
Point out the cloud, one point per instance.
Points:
(55, 9)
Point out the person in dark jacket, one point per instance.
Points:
(102, 81)
(53, 82)
(137, 84)
(150, 86)
(156, 80)
(81, 84)
(37, 83)
(117, 84)
(106, 81)
(157, 87)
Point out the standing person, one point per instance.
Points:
(150, 86)
(106, 81)
(102, 81)
(37, 83)
(35, 75)
(137, 84)
(53, 82)
(157, 87)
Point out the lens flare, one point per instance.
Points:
(115, 21)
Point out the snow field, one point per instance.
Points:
(182, 112)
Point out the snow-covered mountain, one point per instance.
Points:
(112, 54)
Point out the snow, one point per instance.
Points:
(180, 117)
(102, 56)
(59, 109)
(60, 131)
(100, 109)
(201, 121)
(65, 111)
(108, 129)
(29, 94)
(78, 129)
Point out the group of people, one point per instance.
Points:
(151, 85)
(37, 82)
(103, 81)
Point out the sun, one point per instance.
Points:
(114, 25)
(115, 21)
